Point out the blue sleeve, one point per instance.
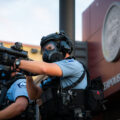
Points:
(17, 89)
(70, 67)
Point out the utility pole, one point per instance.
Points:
(67, 18)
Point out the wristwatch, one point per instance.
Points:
(17, 63)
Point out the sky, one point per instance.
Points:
(27, 21)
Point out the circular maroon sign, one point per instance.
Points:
(111, 33)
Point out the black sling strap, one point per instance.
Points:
(79, 80)
(75, 83)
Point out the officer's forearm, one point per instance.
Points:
(14, 109)
(32, 66)
(34, 91)
(8, 112)
(41, 68)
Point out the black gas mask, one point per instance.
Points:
(51, 52)
(60, 43)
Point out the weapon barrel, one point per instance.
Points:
(13, 52)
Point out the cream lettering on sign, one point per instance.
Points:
(111, 82)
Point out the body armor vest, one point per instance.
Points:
(60, 104)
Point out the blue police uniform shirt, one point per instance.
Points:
(71, 72)
(18, 88)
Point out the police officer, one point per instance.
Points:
(16, 98)
(62, 93)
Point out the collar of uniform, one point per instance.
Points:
(70, 57)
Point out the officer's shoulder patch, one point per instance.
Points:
(22, 84)
(70, 60)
